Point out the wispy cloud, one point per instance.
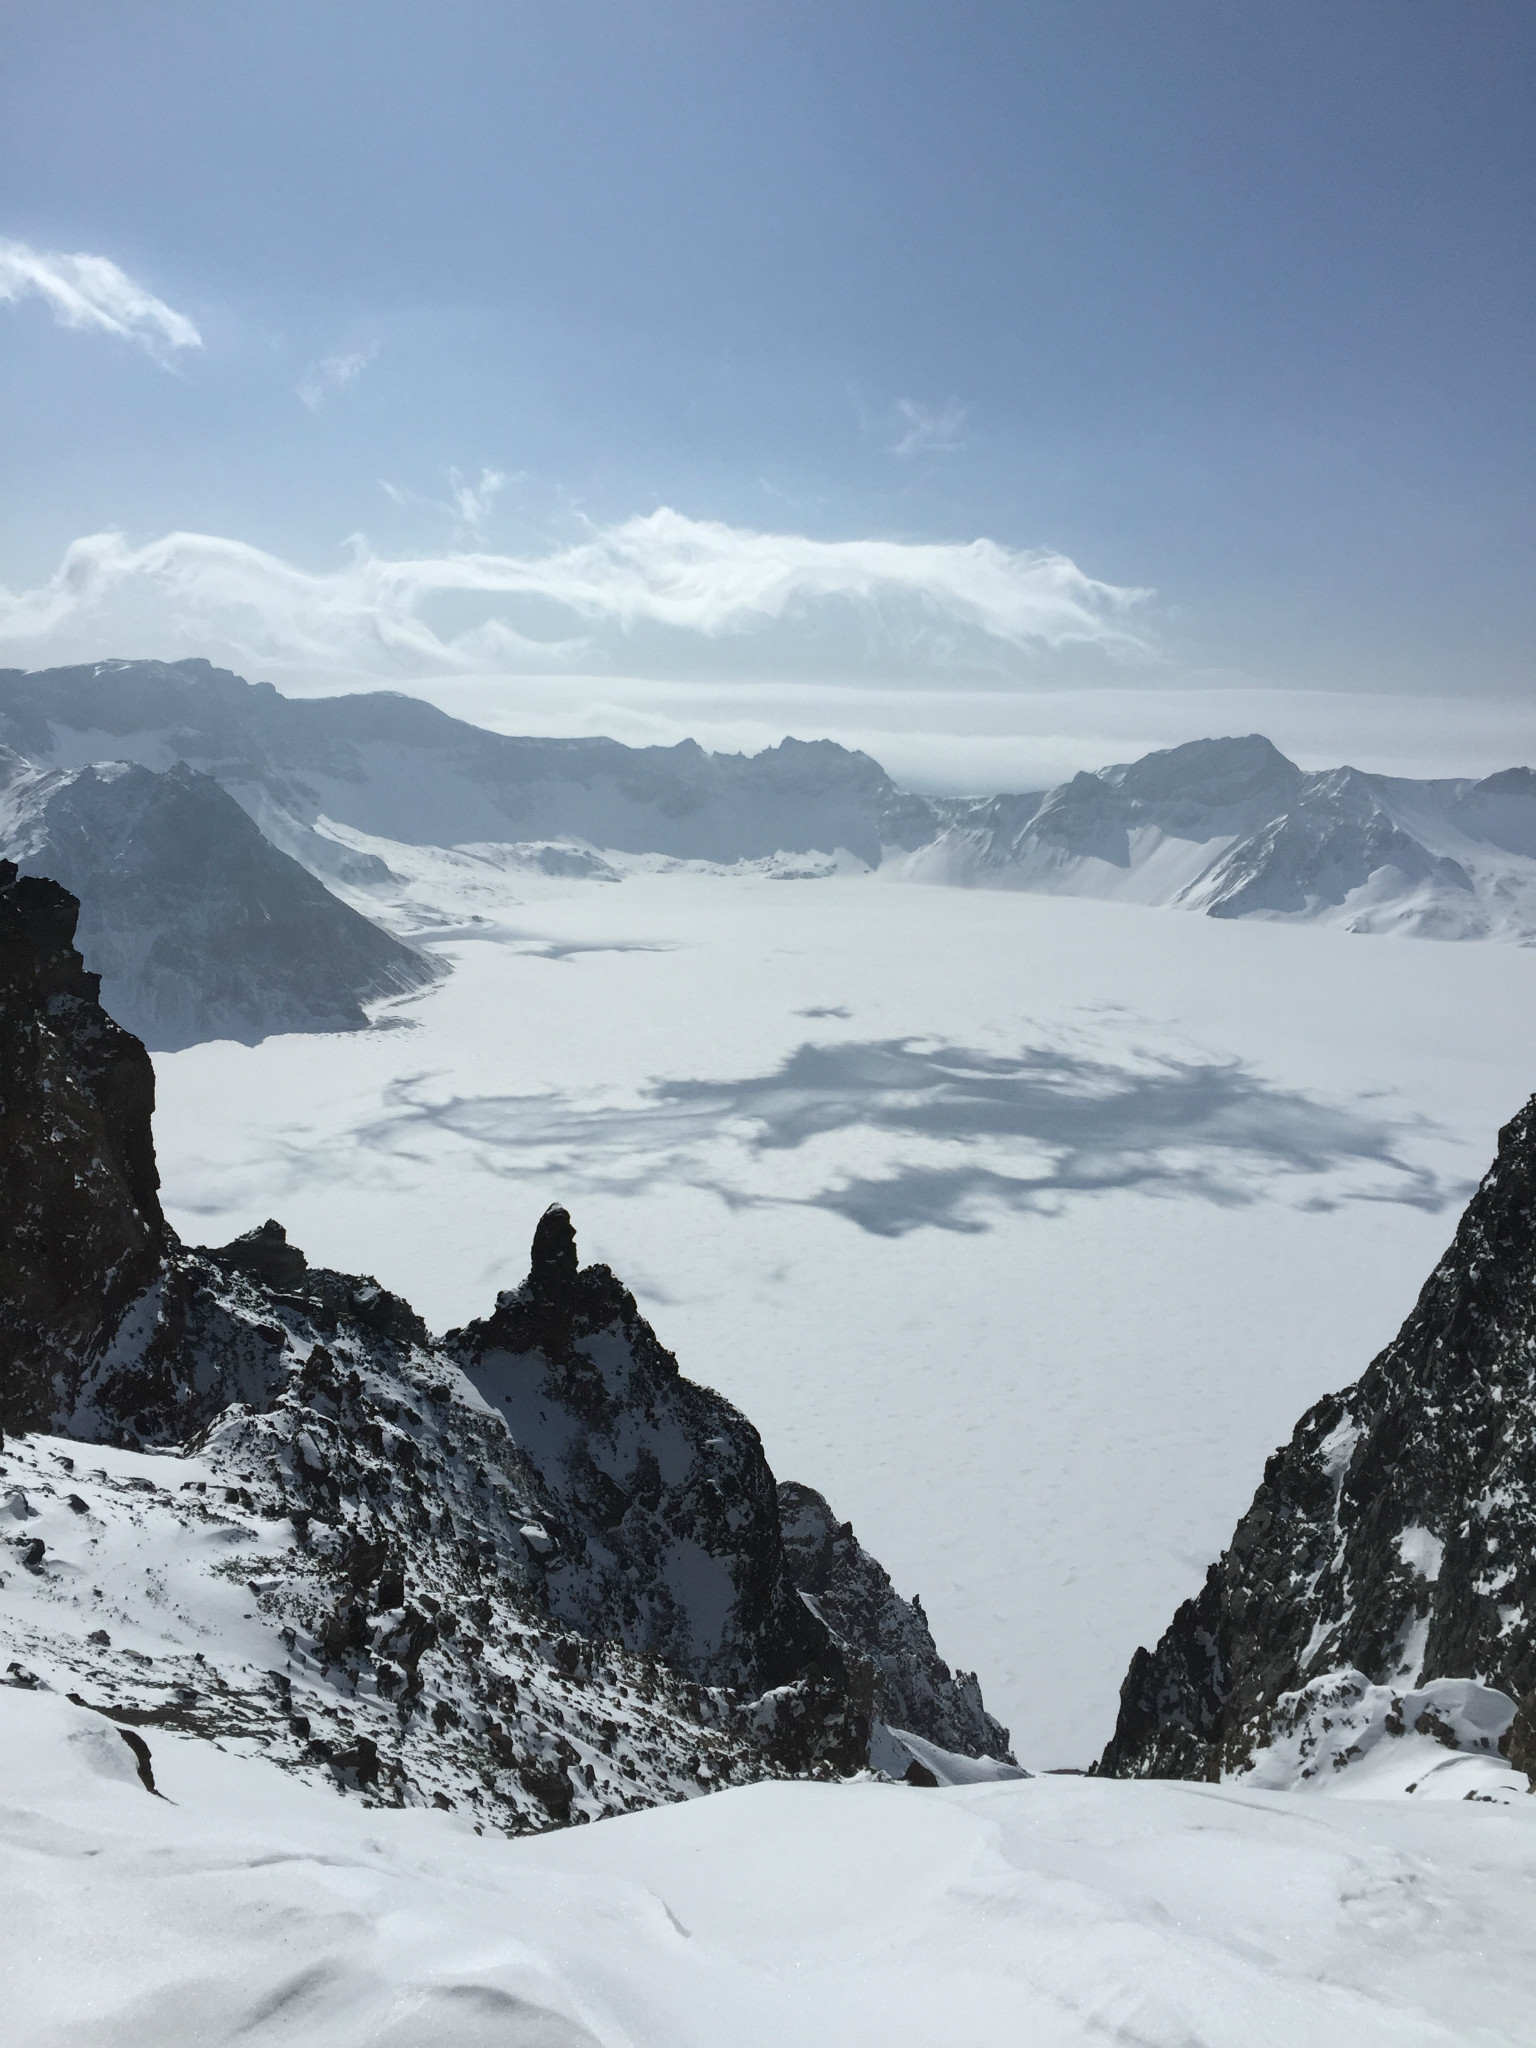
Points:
(332, 374)
(695, 577)
(91, 291)
(473, 502)
(929, 429)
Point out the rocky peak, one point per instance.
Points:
(1392, 1542)
(553, 1265)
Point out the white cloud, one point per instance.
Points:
(332, 374)
(473, 502)
(91, 291)
(930, 429)
(697, 578)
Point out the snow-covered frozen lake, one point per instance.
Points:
(1024, 1228)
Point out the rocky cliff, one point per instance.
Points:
(83, 1236)
(1391, 1548)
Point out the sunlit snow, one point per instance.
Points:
(1023, 1228)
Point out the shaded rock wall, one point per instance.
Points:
(1394, 1536)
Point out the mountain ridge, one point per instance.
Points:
(1224, 827)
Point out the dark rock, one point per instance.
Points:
(141, 1758)
(919, 1774)
(266, 1254)
(1395, 1535)
(851, 1592)
(84, 1234)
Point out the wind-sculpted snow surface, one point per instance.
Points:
(1390, 1550)
(1065, 1912)
(550, 1586)
(198, 926)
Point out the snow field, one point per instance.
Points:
(243, 1906)
(1024, 1229)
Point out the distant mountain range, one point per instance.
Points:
(1232, 828)
(204, 928)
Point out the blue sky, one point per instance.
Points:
(853, 367)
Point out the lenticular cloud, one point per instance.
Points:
(697, 578)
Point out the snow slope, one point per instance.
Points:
(1023, 1229)
(1232, 828)
(238, 1905)
(198, 926)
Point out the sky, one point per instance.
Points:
(1001, 386)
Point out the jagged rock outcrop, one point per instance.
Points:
(83, 1234)
(198, 926)
(1393, 1540)
(531, 1568)
(914, 1689)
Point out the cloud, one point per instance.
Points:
(691, 577)
(930, 429)
(91, 291)
(332, 374)
(473, 502)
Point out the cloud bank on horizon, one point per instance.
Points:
(93, 292)
(470, 610)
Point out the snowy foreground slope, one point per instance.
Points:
(240, 1906)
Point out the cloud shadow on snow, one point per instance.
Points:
(1041, 1128)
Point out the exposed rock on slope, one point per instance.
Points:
(532, 1570)
(1392, 1543)
(83, 1230)
(198, 926)
(851, 1592)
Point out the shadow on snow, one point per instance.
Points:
(1032, 1131)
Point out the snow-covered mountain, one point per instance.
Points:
(199, 927)
(529, 1570)
(1229, 827)
(1383, 1583)
(1232, 828)
(396, 768)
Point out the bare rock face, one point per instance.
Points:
(914, 1689)
(668, 1536)
(83, 1230)
(529, 1568)
(1393, 1539)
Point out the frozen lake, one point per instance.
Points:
(1024, 1228)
